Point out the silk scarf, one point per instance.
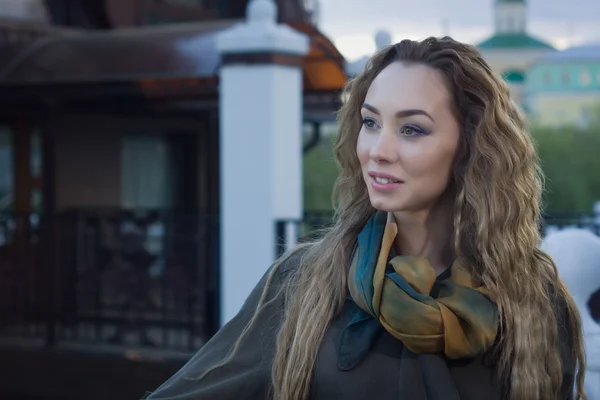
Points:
(460, 320)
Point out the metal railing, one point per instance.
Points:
(23, 292)
(118, 277)
(558, 221)
(132, 278)
(290, 232)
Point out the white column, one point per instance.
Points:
(260, 100)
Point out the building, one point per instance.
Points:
(111, 210)
(555, 88)
(563, 88)
(512, 50)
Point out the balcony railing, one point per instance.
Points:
(129, 278)
(558, 221)
(290, 231)
(126, 278)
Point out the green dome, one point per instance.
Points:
(511, 41)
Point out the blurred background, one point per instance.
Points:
(111, 170)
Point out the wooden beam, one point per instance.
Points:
(178, 12)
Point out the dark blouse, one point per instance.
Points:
(359, 364)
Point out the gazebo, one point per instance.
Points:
(117, 175)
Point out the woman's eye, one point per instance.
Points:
(410, 131)
(369, 123)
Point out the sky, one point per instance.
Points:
(352, 24)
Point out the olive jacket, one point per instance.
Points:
(350, 365)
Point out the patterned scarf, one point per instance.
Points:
(459, 320)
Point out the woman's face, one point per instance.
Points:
(409, 138)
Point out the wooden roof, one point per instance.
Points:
(177, 57)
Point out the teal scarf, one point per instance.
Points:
(460, 321)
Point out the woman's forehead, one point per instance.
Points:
(409, 86)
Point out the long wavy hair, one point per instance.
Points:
(496, 221)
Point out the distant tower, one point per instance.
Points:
(511, 50)
(383, 39)
(445, 27)
(510, 17)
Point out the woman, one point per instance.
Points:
(430, 284)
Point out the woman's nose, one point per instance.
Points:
(384, 148)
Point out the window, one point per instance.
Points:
(547, 77)
(585, 78)
(510, 23)
(6, 169)
(584, 117)
(520, 25)
(6, 183)
(565, 78)
(144, 179)
(37, 172)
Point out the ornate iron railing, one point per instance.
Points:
(118, 277)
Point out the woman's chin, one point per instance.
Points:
(385, 205)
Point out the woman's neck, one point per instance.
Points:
(428, 234)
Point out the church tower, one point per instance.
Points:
(510, 17)
(511, 50)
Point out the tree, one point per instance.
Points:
(320, 172)
(570, 161)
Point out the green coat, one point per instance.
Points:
(347, 368)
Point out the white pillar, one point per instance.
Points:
(260, 100)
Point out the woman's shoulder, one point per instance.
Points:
(291, 261)
(233, 363)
